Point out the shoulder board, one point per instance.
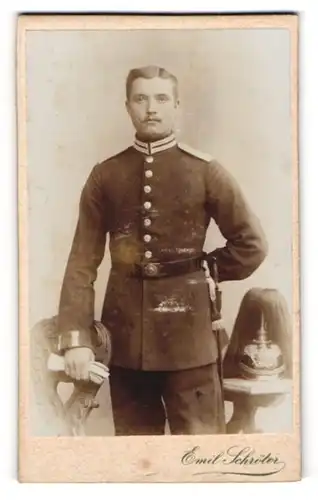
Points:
(194, 152)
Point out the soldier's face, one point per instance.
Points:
(152, 106)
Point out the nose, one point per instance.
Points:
(151, 106)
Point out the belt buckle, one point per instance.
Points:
(151, 269)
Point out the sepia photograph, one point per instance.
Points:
(158, 181)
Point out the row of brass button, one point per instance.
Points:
(147, 221)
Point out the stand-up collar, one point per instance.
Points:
(151, 148)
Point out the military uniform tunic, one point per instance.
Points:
(154, 202)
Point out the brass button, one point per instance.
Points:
(147, 222)
(147, 205)
(148, 174)
(151, 269)
(148, 254)
(147, 238)
(149, 159)
(147, 189)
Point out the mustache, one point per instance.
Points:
(151, 119)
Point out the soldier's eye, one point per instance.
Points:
(140, 98)
(162, 98)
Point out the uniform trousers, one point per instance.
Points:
(190, 401)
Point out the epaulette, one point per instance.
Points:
(194, 152)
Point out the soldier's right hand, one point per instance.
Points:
(77, 362)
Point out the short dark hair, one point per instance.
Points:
(150, 72)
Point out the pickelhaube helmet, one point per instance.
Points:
(261, 359)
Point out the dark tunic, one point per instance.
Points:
(155, 205)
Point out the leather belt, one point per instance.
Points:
(153, 270)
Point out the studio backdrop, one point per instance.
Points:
(235, 105)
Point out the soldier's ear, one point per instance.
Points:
(127, 107)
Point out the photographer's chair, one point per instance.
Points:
(47, 372)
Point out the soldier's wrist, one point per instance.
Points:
(74, 339)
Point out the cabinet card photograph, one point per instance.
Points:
(158, 244)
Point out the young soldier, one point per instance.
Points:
(154, 201)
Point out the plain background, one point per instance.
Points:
(309, 239)
(235, 105)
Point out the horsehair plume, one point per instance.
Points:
(258, 305)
